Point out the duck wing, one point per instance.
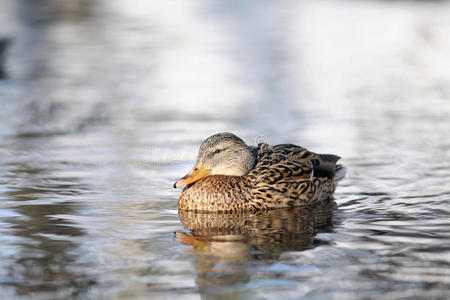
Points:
(285, 176)
(282, 162)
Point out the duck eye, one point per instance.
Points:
(217, 150)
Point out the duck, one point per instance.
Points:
(230, 176)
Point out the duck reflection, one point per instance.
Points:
(227, 244)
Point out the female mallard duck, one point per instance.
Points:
(231, 176)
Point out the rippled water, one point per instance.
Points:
(107, 102)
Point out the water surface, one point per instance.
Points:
(106, 103)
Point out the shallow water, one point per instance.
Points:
(106, 105)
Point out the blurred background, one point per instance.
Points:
(103, 105)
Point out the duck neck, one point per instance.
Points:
(241, 163)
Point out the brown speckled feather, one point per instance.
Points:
(283, 177)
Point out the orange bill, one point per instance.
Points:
(197, 173)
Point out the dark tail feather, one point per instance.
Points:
(327, 166)
(341, 171)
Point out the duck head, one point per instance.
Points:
(221, 154)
